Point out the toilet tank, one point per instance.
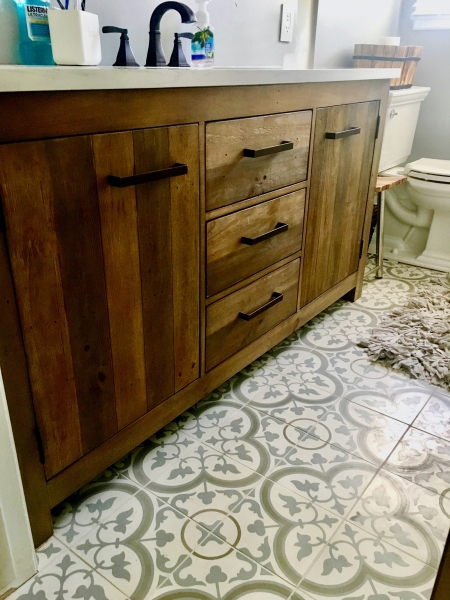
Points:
(401, 123)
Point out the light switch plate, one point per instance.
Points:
(287, 21)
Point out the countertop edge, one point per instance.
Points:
(17, 78)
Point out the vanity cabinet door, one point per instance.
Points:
(106, 278)
(344, 143)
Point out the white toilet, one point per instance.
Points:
(417, 221)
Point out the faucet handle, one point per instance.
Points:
(125, 56)
(178, 58)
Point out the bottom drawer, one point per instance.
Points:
(236, 320)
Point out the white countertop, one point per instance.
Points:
(15, 78)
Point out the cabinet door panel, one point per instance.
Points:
(107, 279)
(339, 187)
(114, 154)
(53, 232)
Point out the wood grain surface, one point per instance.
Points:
(226, 333)
(231, 176)
(229, 260)
(338, 196)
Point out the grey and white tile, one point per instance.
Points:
(203, 477)
(357, 565)
(282, 531)
(411, 518)
(325, 475)
(67, 577)
(403, 404)
(140, 545)
(423, 459)
(435, 417)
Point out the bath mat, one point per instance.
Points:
(416, 337)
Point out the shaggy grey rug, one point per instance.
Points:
(416, 337)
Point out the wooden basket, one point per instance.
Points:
(387, 57)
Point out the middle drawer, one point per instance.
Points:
(250, 240)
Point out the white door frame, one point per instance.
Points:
(17, 555)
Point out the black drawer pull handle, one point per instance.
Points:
(276, 297)
(271, 150)
(175, 171)
(279, 228)
(341, 134)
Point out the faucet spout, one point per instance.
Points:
(155, 54)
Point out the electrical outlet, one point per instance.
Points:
(287, 21)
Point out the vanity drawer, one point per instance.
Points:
(245, 157)
(230, 324)
(250, 240)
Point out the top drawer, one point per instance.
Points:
(232, 175)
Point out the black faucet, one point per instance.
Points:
(155, 54)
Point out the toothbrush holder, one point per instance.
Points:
(75, 37)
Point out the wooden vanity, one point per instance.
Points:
(157, 241)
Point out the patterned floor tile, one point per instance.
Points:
(203, 478)
(358, 566)
(369, 376)
(435, 417)
(282, 531)
(215, 571)
(91, 504)
(64, 578)
(404, 404)
(141, 545)
(142, 464)
(325, 475)
(340, 326)
(423, 459)
(255, 439)
(409, 517)
(48, 552)
(382, 295)
(318, 374)
(360, 431)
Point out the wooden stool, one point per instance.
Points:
(383, 184)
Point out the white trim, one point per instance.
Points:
(431, 14)
(17, 556)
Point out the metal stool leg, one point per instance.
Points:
(381, 199)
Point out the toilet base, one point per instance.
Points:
(409, 258)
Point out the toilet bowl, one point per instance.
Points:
(429, 188)
(417, 221)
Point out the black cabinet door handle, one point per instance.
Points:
(175, 171)
(276, 297)
(270, 150)
(342, 134)
(279, 228)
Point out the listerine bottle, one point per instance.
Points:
(35, 46)
(203, 40)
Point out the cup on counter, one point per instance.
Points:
(390, 41)
(75, 37)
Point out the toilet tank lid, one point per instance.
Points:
(430, 166)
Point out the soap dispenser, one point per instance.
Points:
(125, 56)
(203, 40)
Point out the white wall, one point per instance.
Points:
(432, 139)
(343, 23)
(247, 31)
(17, 558)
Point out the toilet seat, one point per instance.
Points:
(429, 169)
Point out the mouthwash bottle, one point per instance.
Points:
(203, 40)
(35, 46)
